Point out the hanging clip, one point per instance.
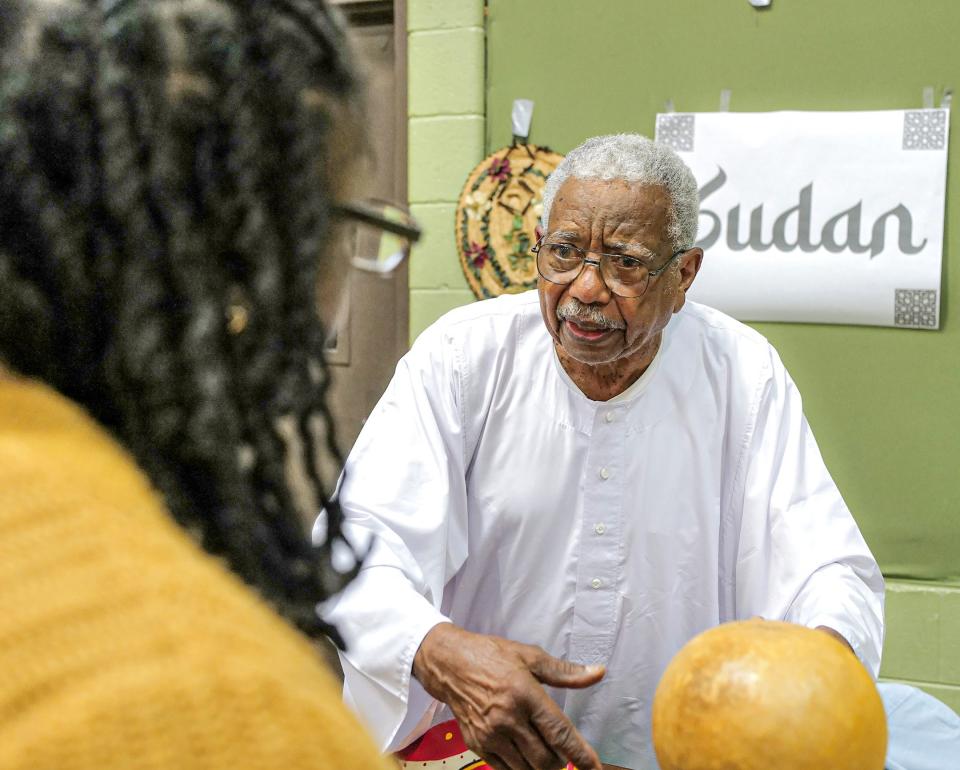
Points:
(668, 106)
(725, 100)
(520, 117)
(928, 97)
(947, 99)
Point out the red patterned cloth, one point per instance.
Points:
(442, 748)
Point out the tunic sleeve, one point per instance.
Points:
(801, 557)
(404, 493)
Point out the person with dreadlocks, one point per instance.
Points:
(170, 173)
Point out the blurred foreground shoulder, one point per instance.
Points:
(187, 713)
(122, 643)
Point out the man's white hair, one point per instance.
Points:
(634, 158)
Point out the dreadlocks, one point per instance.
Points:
(167, 172)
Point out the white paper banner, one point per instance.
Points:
(830, 217)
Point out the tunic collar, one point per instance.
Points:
(634, 391)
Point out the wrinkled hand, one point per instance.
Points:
(836, 635)
(827, 630)
(493, 686)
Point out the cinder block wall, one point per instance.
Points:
(922, 646)
(446, 65)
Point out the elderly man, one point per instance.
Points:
(565, 486)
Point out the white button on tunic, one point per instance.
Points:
(486, 475)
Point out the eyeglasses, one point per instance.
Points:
(626, 276)
(378, 242)
(384, 234)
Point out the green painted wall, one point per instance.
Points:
(922, 645)
(883, 402)
(445, 94)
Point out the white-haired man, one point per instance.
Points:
(565, 486)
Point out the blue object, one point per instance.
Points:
(924, 734)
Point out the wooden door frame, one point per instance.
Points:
(400, 157)
(360, 12)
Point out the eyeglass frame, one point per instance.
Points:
(535, 249)
(365, 212)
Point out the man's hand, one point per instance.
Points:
(493, 686)
(836, 635)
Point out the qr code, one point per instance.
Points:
(925, 130)
(676, 131)
(915, 308)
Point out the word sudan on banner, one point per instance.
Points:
(828, 217)
(841, 232)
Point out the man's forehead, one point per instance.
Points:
(621, 205)
(613, 194)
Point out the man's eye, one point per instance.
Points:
(561, 250)
(623, 262)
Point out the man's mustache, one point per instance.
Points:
(576, 311)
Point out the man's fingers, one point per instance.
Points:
(507, 753)
(560, 735)
(495, 762)
(562, 673)
(515, 758)
(539, 754)
(496, 744)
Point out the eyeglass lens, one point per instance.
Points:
(561, 263)
(377, 250)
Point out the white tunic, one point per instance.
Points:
(506, 501)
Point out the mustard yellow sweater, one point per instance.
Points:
(122, 644)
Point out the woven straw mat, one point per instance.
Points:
(497, 218)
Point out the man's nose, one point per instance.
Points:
(589, 287)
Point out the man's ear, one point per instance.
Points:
(689, 267)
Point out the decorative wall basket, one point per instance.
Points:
(497, 218)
